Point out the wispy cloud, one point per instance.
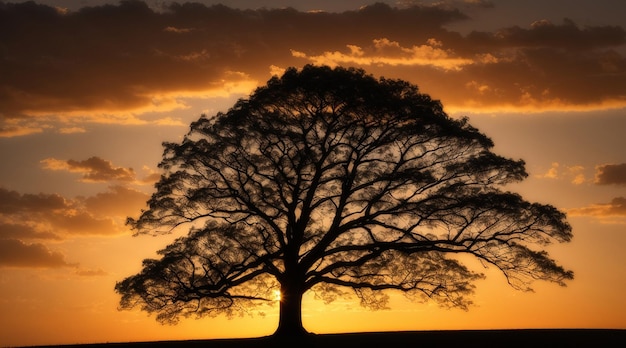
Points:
(386, 52)
(612, 212)
(72, 130)
(91, 272)
(98, 170)
(93, 169)
(574, 174)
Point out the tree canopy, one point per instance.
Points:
(329, 179)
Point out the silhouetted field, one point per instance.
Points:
(471, 338)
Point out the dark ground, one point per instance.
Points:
(472, 338)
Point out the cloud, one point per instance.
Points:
(10, 230)
(72, 130)
(574, 174)
(612, 212)
(118, 201)
(544, 34)
(108, 59)
(479, 3)
(114, 63)
(100, 61)
(150, 177)
(99, 170)
(51, 217)
(12, 202)
(386, 52)
(611, 174)
(91, 272)
(94, 169)
(17, 130)
(15, 253)
(84, 223)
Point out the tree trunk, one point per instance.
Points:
(290, 317)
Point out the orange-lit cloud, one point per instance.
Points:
(150, 177)
(612, 212)
(91, 272)
(611, 174)
(12, 202)
(118, 201)
(51, 217)
(16, 129)
(14, 230)
(98, 170)
(83, 223)
(14, 253)
(72, 130)
(94, 169)
(574, 174)
(114, 63)
(386, 52)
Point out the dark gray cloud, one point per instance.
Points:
(24, 231)
(120, 57)
(302, 5)
(12, 202)
(93, 169)
(131, 57)
(611, 174)
(545, 34)
(15, 253)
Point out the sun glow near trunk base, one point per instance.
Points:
(276, 295)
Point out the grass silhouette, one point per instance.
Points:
(459, 338)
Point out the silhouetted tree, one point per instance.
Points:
(327, 180)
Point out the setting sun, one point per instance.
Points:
(277, 295)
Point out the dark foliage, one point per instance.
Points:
(332, 180)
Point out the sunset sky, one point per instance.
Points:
(89, 89)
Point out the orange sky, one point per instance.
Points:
(87, 95)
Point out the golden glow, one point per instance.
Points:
(276, 295)
(146, 101)
(386, 52)
(530, 106)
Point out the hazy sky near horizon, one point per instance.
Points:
(90, 89)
